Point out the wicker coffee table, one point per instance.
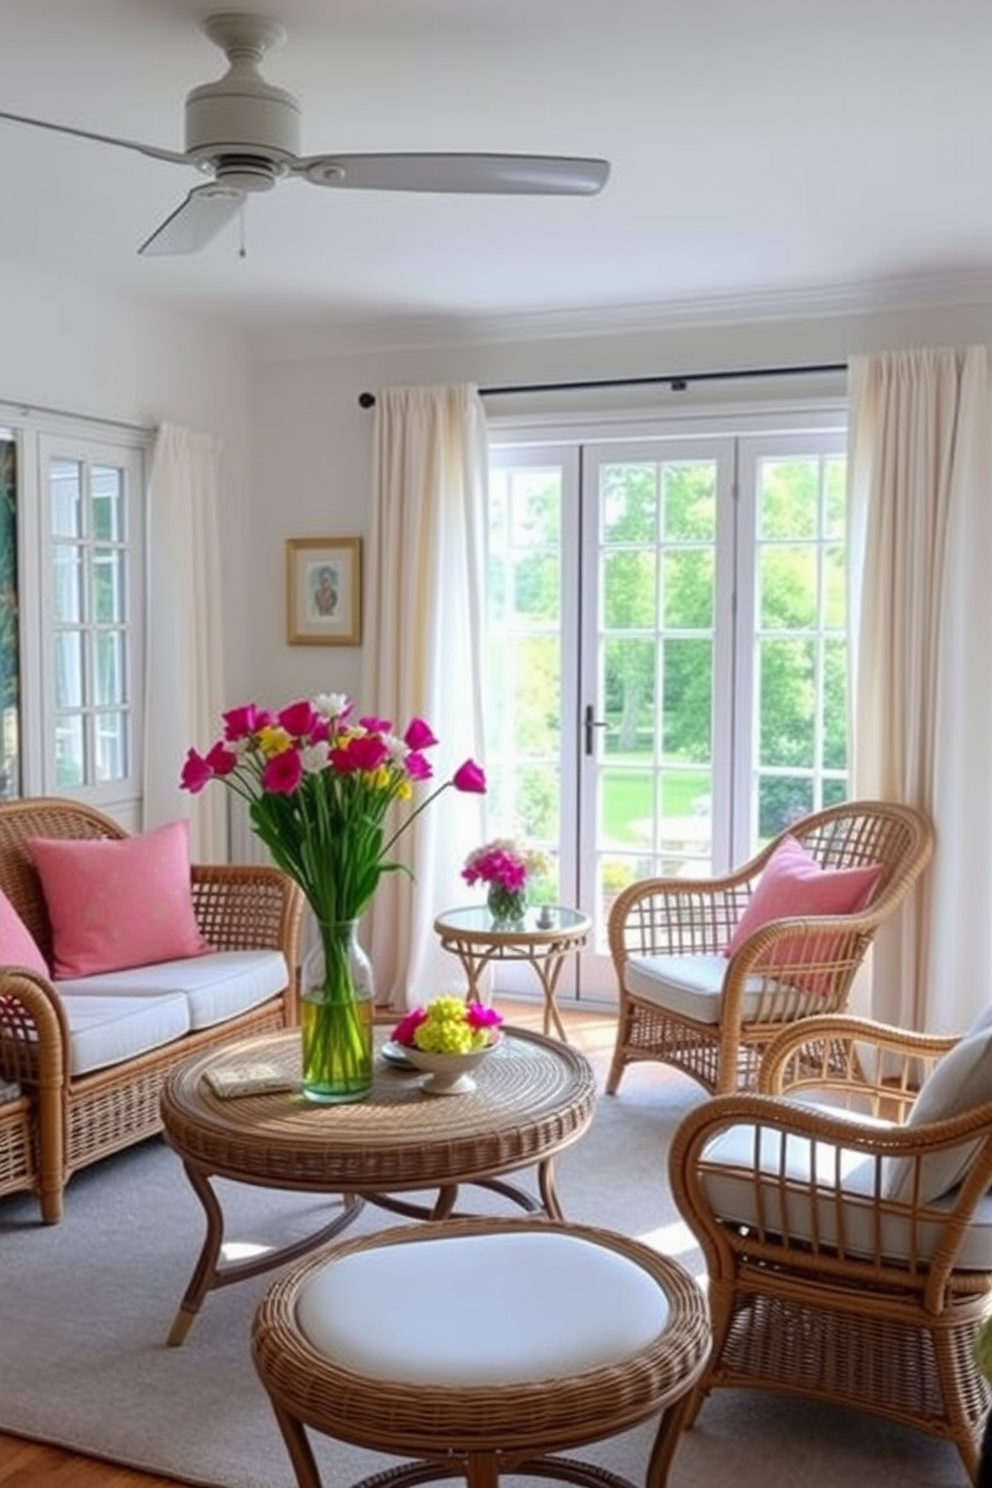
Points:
(534, 1096)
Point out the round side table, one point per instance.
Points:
(544, 937)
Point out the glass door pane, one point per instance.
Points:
(531, 678)
(655, 642)
(793, 630)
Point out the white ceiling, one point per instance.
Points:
(765, 153)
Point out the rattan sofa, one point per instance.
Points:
(51, 1122)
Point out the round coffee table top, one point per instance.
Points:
(533, 1096)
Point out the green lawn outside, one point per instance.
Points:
(627, 798)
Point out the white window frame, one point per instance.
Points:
(767, 429)
(41, 438)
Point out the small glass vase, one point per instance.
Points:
(507, 906)
(336, 1014)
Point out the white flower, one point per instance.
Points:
(331, 704)
(313, 757)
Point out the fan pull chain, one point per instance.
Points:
(242, 249)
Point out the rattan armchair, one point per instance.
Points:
(60, 1123)
(683, 1002)
(820, 1283)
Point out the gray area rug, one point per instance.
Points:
(85, 1307)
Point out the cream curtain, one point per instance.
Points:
(183, 643)
(920, 474)
(426, 584)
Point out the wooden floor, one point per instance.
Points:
(30, 1465)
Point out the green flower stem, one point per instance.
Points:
(337, 1024)
(507, 906)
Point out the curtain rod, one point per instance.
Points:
(15, 408)
(676, 382)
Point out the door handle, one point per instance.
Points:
(591, 723)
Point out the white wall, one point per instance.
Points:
(312, 444)
(68, 347)
(298, 447)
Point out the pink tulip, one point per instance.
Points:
(368, 752)
(417, 767)
(419, 735)
(283, 772)
(470, 777)
(195, 772)
(297, 719)
(240, 722)
(221, 759)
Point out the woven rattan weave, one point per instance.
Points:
(687, 917)
(827, 1310)
(533, 1097)
(483, 1432)
(69, 1122)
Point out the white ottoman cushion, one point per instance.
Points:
(481, 1309)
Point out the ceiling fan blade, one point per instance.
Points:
(175, 157)
(200, 217)
(529, 175)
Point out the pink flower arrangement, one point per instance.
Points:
(448, 1025)
(504, 863)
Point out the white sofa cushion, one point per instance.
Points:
(109, 1030)
(689, 985)
(734, 1197)
(216, 986)
(555, 1305)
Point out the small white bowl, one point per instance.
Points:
(449, 1074)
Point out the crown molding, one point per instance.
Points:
(338, 337)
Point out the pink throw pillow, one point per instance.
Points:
(18, 946)
(793, 885)
(114, 904)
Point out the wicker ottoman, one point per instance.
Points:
(480, 1346)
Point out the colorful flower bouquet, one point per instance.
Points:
(447, 1039)
(507, 866)
(448, 1025)
(319, 786)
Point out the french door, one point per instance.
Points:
(667, 655)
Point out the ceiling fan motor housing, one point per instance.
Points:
(241, 123)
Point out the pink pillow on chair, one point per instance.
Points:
(114, 904)
(17, 945)
(793, 885)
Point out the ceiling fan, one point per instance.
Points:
(244, 132)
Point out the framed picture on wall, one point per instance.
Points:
(324, 591)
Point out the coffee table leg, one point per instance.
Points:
(207, 1274)
(205, 1271)
(549, 1189)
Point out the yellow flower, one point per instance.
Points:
(273, 741)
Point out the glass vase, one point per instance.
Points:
(506, 906)
(336, 1015)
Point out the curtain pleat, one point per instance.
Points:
(183, 644)
(426, 586)
(920, 474)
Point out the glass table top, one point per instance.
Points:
(538, 919)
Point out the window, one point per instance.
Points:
(71, 671)
(667, 662)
